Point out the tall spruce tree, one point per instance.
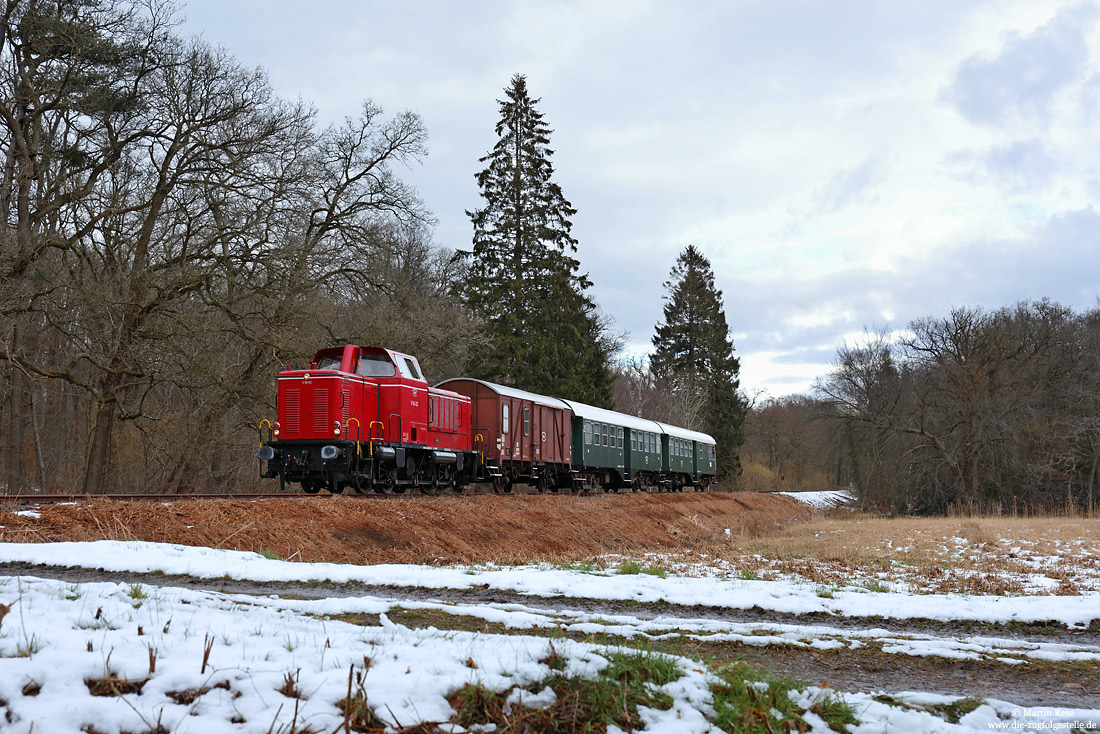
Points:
(693, 357)
(523, 278)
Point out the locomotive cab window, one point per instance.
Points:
(328, 362)
(409, 368)
(375, 365)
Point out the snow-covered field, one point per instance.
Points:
(197, 661)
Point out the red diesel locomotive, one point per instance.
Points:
(365, 418)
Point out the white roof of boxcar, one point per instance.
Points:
(512, 392)
(678, 432)
(592, 413)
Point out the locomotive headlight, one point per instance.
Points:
(336, 428)
(276, 430)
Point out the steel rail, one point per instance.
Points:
(53, 499)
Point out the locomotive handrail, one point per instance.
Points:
(400, 426)
(371, 438)
(358, 431)
(261, 430)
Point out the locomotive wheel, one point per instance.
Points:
(310, 488)
(388, 481)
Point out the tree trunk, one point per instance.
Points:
(99, 448)
(14, 467)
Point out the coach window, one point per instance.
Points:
(604, 430)
(504, 418)
(633, 441)
(587, 433)
(619, 437)
(526, 421)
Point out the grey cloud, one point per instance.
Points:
(1059, 259)
(1028, 72)
(855, 185)
(1022, 165)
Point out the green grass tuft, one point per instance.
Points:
(583, 706)
(744, 701)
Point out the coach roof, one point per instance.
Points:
(511, 392)
(592, 413)
(677, 432)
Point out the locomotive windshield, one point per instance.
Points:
(375, 365)
(328, 362)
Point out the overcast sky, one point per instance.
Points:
(842, 164)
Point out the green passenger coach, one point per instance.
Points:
(602, 444)
(689, 456)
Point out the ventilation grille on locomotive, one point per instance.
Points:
(320, 412)
(293, 410)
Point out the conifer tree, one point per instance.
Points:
(523, 278)
(694, 357)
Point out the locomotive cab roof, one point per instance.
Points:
(368, 361)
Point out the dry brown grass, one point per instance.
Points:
(473, 529)
(928, 555)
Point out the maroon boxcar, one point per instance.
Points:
(364, 417)
(521, 437)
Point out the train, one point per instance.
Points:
(364, 418)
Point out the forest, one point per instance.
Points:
(989, 411)
(176, 233)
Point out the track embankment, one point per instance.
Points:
(479, 528)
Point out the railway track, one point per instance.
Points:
(53, 499)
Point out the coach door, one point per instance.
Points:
(527, 434)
